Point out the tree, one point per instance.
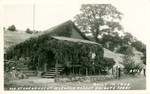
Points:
(108, 62)
(111, 42)
(97, 19)
(127, 39)
(28, 31)
(128, 61)
(12, 28)
(140, 47)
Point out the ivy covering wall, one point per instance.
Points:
(45, 49)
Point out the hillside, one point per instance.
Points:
(13, 38)
(118, 57)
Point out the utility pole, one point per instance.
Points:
(33, 18)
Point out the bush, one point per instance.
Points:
(128, 66)
(128, 61)
(108, 62)
(86, 79)
(12, 28)
(9, 66)
(29, 31)
(14, 75)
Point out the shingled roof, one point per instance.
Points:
(61, 27)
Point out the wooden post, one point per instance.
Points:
(56, 69)
(86, 71)
(144, 72)
(73, 70)
(45, 67)
(119, 74)
(116, 72)
(132, 70)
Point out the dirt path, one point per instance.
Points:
(131, 83)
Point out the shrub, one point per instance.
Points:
(29, 31)
(9, 66)
(12, 28)
(108, 62)
(14, 75)
(86, 79)
(128, 66)
(128, 61)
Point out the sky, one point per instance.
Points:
(48, 15)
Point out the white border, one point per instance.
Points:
(3, 2)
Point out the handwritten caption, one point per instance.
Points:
(95, 86)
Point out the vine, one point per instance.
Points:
(46, 49)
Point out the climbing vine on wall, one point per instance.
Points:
(45, 49)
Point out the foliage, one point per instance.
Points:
(98, 19)
(46, 49)
(140, 47)
(102, 22)
(128, 61)
(108, 62)
(144, 58)
(128, 64)
(111, 42)
(11, 71)
(63, 30)
(12, 28)
(128, 38)
(14, 75)
(129, 51)
(86, 79)
(9, 66)
(29, 31)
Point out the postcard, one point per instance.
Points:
(75, 46)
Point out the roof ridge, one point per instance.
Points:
(58, 25)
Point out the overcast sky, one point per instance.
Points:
(48, 15)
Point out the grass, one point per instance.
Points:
(118, 57)
(12, 38)
(127, 83)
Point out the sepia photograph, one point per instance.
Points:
(59, 46)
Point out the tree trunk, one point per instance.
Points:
(79, 71)
(96, 36)
(45, 67)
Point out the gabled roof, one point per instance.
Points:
(57, 29)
